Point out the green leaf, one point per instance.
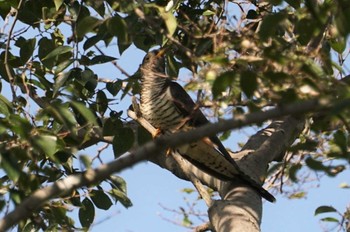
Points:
(62, 114)
(324, 209)
(46, 143)
(341, 140)
(4, 109)
(63, 65)
(315, 164)
(293, 171)
(102, 102)
(248, 83)
(117, 27)
(58, 4)
(297, 195)
(86, 213)
(118, 182)
(5, 8)
(100, 59)
(169, 19)
(342, 17)
(26, 48)
(63, 156)
(114, 87)
(294, 3)
(306, 29)
(111, 125)
(60, 81)
(46, 46)
(208, 13)
(100, 199)
(338, 44)
(252, 14)
(122, 141)
(121, 197)
(222, 82)
(58, 51)
(10, 166)
(92, 41)
(270, 25)
(20, 126)
(85, 112)
(85, 25)
(330, 219)
(187, 190)
(143, 136)
(172, 66)
(98, 6)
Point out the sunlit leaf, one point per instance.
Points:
(297, 195)
(58, 51)
(46, 143)
(58, 4)
(121, 197)
(85, 112)
(330, 219)
(118, 182)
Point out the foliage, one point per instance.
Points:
(245, 56)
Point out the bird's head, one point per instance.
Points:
(154, 64)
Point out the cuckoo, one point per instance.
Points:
(169, 108)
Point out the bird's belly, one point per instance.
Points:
(162, 114)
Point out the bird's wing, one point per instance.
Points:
(201, 153)
(188, 108)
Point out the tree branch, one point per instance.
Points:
(7, 49)
(91, 176)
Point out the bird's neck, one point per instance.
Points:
(153, 80)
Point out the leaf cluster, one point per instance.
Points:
(243, 59)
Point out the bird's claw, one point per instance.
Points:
(156, 133)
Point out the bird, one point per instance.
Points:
(167, 106)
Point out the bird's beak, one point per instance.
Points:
(161, 52)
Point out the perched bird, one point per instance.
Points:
(169, 108)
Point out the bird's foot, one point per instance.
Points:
(157, 133)
(168, 152)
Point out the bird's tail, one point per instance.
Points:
(263, 192)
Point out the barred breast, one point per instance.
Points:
(158, 108)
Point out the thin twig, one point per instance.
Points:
(8, 42)
(113, 62)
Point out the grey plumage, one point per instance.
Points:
(168, 107)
